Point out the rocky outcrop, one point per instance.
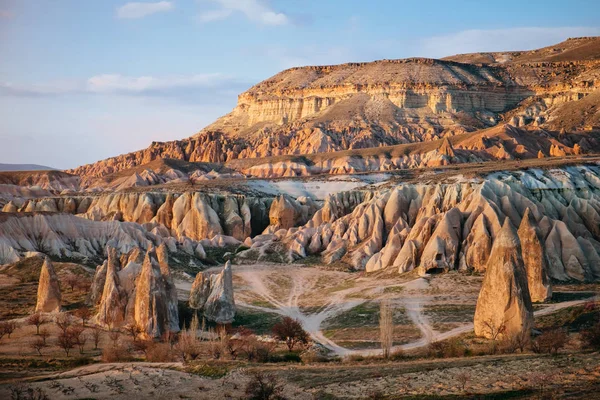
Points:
(213, 295)
(48, 294)
(534, 259)
(440, 227)
(504, 303)
(138, 290)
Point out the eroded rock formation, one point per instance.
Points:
(213, 295)
(453, 226)
(48, 294)
(540, 288)
(504, 304)
(138, 290)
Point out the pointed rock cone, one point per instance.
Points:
(150, 309)
(111, 311)
(95, 294)
(48, 295)
(504, 303)
(446, 148)
(220, 305)
(200, 291)
(534, 259)
(170, 289)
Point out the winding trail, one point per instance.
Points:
(304, 281)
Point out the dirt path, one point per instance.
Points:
(301, 287)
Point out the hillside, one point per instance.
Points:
(390, 102)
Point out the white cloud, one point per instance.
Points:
(490, 40)
(140, 10)
(5, 14)
(188, 88)
(255, 10)
(114, 83)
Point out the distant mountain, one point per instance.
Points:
(24, 167)
(324, 109)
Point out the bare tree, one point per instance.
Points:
(7, 328)
(84, 313)
(290, 330)
(72, 281)
(36, 319)
(44, 334)
(114, 336)
(66, 341)
(386, 327)
(96, 337)
(134, 330)
(495, 331)
(463, 378)
(64, 322)
(38, 344)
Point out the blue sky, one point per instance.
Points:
(82, 80)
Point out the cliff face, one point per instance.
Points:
(359, 105)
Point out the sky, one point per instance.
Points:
(83, 80)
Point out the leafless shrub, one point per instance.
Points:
(159, 352)
(264, 387)
(117, 353)
(550, 341)
(590, 338)
(188, 346)
(23, 392)
(494, 331)
(463, 378)
(386, 328)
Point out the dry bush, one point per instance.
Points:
(590, 338)
(36, 319)
(23, 392)
(264, 387)
(159, 352)
(447, 349)
(463, 378)
(386, 328)
(117, 353)
(397, 354)
(188, 347)
(517, 341)
(550, 341)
